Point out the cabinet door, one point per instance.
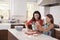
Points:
(3, 34)
(11, 36)
(57, 34)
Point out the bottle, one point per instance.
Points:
(33, 26)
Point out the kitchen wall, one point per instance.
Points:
(31, 7)
(41, 10)
(55, 11)
(46, 10)
(18, 9)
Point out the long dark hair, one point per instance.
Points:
(51, 17)
(36, 12)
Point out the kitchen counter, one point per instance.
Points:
(20, 35)
(58, 29)
(10, 25)
(5, 26)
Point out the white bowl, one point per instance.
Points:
(19, 28)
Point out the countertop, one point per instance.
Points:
(20, 35)
(5, 26)
(58, 29)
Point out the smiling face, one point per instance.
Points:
(48, 19)
(36, 16)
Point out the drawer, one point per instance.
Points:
(57, 32)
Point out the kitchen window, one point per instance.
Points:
(4, 9)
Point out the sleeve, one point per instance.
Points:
(29, 22)
(41, 22)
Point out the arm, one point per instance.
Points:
(47, 29)
(29, 22)
(39, 26)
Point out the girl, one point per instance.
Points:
(47, 28)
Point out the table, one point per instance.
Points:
(20, 35)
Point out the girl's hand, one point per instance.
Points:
(37, 23)
(39, 27)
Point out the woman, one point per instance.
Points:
(36, 18)
(47, 28)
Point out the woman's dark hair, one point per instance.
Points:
(36, 12)
(51, 17)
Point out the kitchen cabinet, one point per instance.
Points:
(3, 34)
(6, 35)
(11, 37)
(57, 33)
